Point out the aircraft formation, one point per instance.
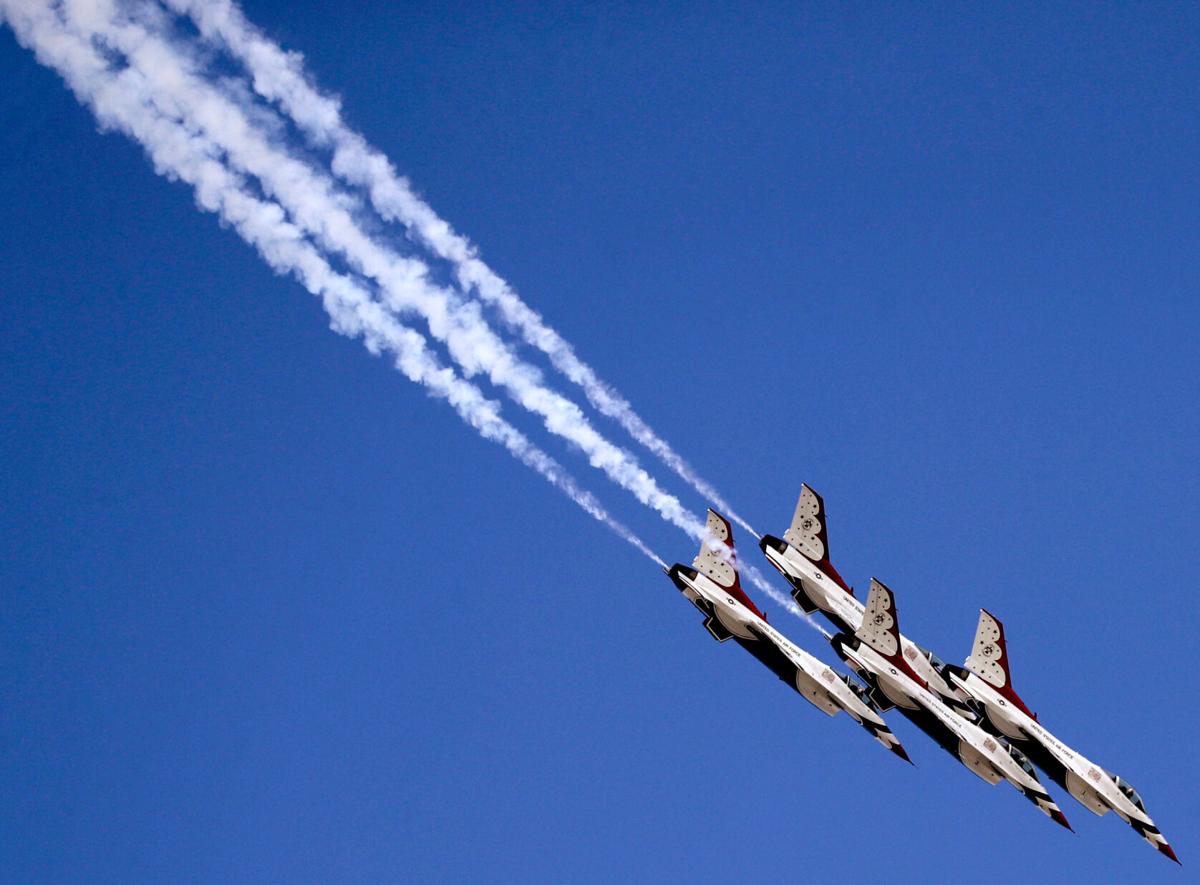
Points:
(972, 711)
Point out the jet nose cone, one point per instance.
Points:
(1061, 819)
(1166, 849)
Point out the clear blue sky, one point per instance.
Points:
(270, 614)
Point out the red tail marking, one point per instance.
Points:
(1006, 690)
(735, 590)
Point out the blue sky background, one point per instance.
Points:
(270, 614)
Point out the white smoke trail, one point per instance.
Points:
(139, 111)
(757, 579)
(176, 89)
(761, 583)
(122, 100)
(279, 77)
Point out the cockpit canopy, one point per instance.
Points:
(1127, 788)
(933, 659)
(1018, 757)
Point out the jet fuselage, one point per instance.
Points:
(1096, 789)
(814, 590)
(818, 683)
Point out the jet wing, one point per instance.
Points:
(989, 680)
(713, 586)
(978, 750)
(818, 683)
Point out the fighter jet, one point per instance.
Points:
(802, 557)
(873, 651)
(713, 586)
(987, 679)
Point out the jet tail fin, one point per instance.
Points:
(717, 560)
(880, 627)
(989, 659)
(809, 534)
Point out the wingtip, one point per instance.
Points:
(903, 754)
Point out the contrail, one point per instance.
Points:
(122, 100)
(313, 203)
(761, 583)
(279, 77)
(757, 579)
(147, 111)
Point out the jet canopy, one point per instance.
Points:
(1127, 788)
(933, 659)
(1018, 757)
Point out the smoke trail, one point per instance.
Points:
(757, 579)
(133, 101)
(121, 100)
(313, 203)
(761, 583)
(279, 77)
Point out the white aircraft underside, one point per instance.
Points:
(987, 681)
(971, 712)
(802, 557)
(712, 586)
(874, 652)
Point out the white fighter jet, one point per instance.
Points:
(873, 651)
(712, 585)
(802, 557)
(988, 681)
